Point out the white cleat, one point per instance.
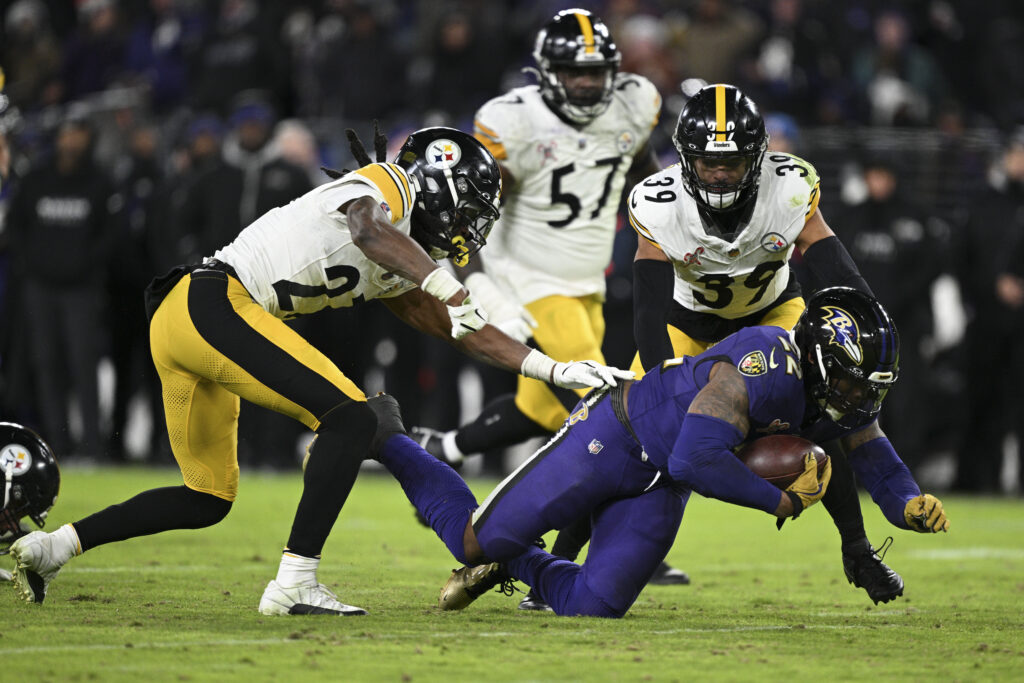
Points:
(36, 561)
(305, 599)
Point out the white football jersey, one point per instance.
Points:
(557, 226)
(299, 258)
(737, 278)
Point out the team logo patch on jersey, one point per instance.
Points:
(845, 333)
(547, 152)
(626, 142)
(753, 364)
(443, 153)
(16, 458)
(595, 447)
(773, 242)
(385, 208)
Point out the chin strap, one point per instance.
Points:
(9, 482)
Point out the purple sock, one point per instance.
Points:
(559, 583)
(434, 489)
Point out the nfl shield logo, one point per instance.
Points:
(595, 447)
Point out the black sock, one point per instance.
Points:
(570, 540)
(841, 500)
(150, 512)
(500, 424)
(331, 470)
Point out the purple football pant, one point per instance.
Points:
(592, 467)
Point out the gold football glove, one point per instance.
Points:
(808, 487)
(924, 514)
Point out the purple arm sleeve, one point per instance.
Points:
(702, 458)
(885, 477)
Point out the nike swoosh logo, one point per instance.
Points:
(771, 360)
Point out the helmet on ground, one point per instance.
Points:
(850, 353)
(458, 189)
(720, 128)
(574, 40)
(29, 477)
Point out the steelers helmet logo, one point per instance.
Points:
(16, 458)
(443, 154)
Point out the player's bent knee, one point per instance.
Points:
(389, 420)
(204, 509)
(353, 421)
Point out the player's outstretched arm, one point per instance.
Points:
(890, 483)
(493, 346)
(373, 233)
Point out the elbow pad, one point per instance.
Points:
(831, 264)
(652, 299)
(885, 477)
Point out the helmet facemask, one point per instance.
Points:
(850, 355)
(715, 194)
(849, 400)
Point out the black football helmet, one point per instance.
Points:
(31, 479)
(721, 123)
(458, 189)
(850, 353)
(575, 39)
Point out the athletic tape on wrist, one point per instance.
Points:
(536, 365)
(441, 284)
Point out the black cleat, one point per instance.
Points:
(864, 569)
(432, 441)
(666, 575)
(533, 603)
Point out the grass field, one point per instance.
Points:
(764, 605)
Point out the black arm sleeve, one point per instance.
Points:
(831, 265)
(652, 298)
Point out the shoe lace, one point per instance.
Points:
(508, 587)
(884, 548)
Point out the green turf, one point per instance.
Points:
(764, 605)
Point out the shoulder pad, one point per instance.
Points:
(653, 200)
(391, 181)
(506, 117)
(795, 182)
(641, 98)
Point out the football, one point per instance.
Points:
(779, 458)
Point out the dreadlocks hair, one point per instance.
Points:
(380, 149)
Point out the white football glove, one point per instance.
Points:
(467, 318)
(502, 311)
(574, 374)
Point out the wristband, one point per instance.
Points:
(441, 284)
(536, 365)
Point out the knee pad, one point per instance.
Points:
(389, 419)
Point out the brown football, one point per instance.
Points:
(779, 458)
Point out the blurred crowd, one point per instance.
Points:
(164, 127)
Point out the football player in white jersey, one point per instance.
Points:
(716, 234)
(217, 333)
(567, 148)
